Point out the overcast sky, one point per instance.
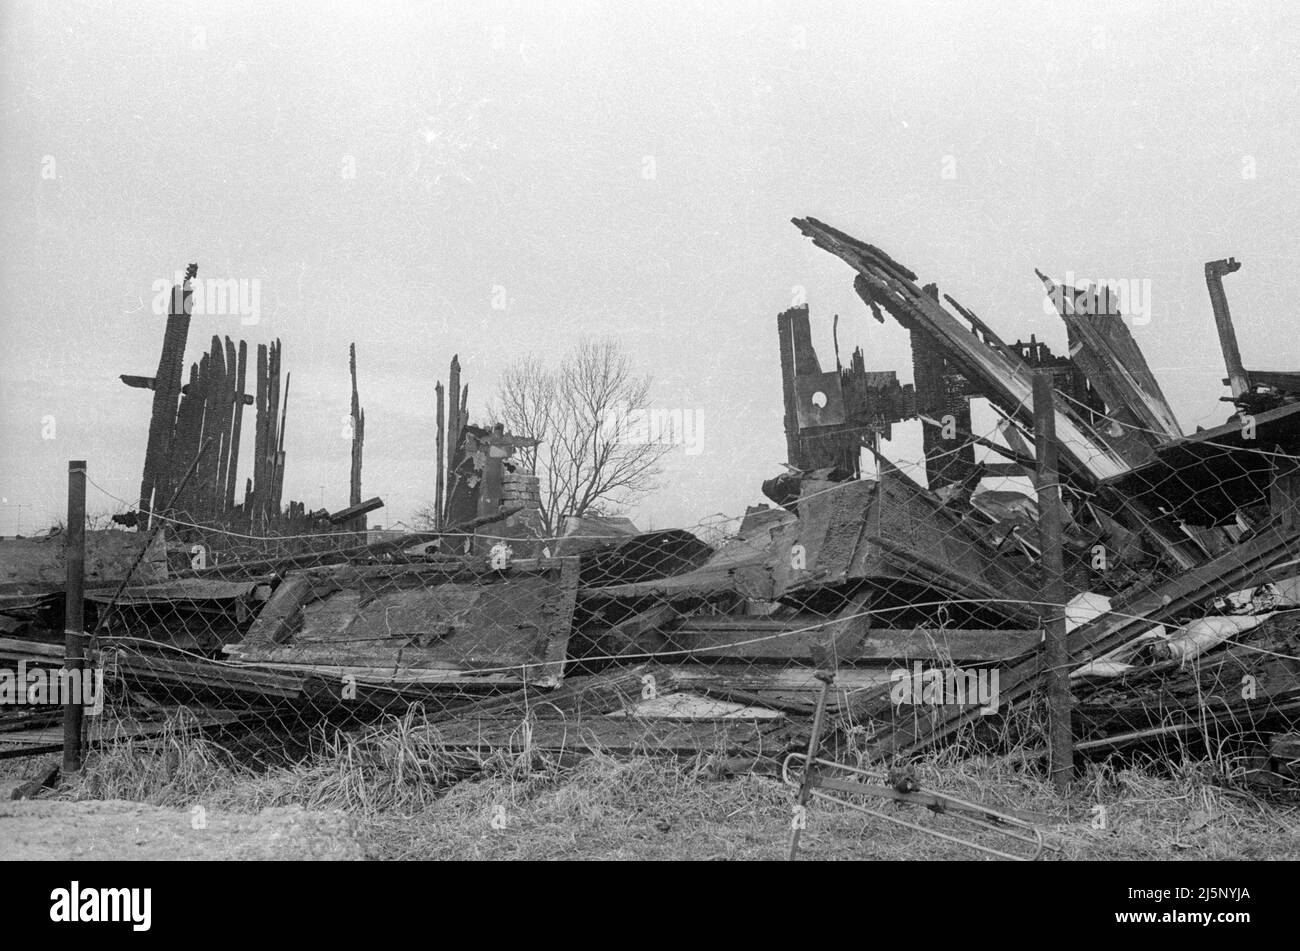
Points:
(619, 169)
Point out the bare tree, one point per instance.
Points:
(425, 518)
(587, 460)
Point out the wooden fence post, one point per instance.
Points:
(1053, 584)
(74, 625)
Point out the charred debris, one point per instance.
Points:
(1179, 552)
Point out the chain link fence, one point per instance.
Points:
(926, 611)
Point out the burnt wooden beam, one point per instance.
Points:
(270, 508)
(358, 434)
(1104, 349)
(785, 332)
(440, 468)
(260, 439)
(189, 423)
(237, 417)
(454, 427)
(225, 404)
(167, 390)
(1214, 272)
(346, 515)
(204, 484)
(148, 383)
(277, 478)
(886, 284)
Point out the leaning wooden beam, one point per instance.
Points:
(356, 511)
(260, 441)
(277, 479)
(167, 389)
(441, 474)
(224, 404)
(358, 432)
(990, 337)
(1007, 382)
(785, 323)
(205, 480)
(232, 476)
(270, 512)
(1237, 376)
(189, 427)
(454, 424)
(1103, 348)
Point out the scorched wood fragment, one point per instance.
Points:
(886, 284)
(167, 388)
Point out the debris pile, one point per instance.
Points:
(921, 591)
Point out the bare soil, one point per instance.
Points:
(116, 830)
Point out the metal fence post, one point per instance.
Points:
(1053, 584)
(74, 612)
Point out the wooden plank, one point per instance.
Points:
(232, 476)
(1103, 347)
(185, 446)
(277, 480)
(281, 615)
(440, 468)
(463, 616)
(358, 433)
(1214, 273)
(154, 487)
(223, 404)
(266, 495)
(261, 436)
(798, 639)
(1004, 381)
(558, 624)
(19, 648)
(210, 675)
(454, 427)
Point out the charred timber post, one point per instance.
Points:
(1053, 595)
(358, 441)
(261, 435)
(232, 477)
(166, 391)
(1238, 379)
(785, 321)
(441, 474)
(454, 424)
(74, 612)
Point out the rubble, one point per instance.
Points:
(1179, 556)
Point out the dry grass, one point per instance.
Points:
(411, 798)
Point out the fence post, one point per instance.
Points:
(74, 626)
(1053, 590)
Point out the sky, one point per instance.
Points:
(505, 180)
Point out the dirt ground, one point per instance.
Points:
(387, 807)
(116, 830)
